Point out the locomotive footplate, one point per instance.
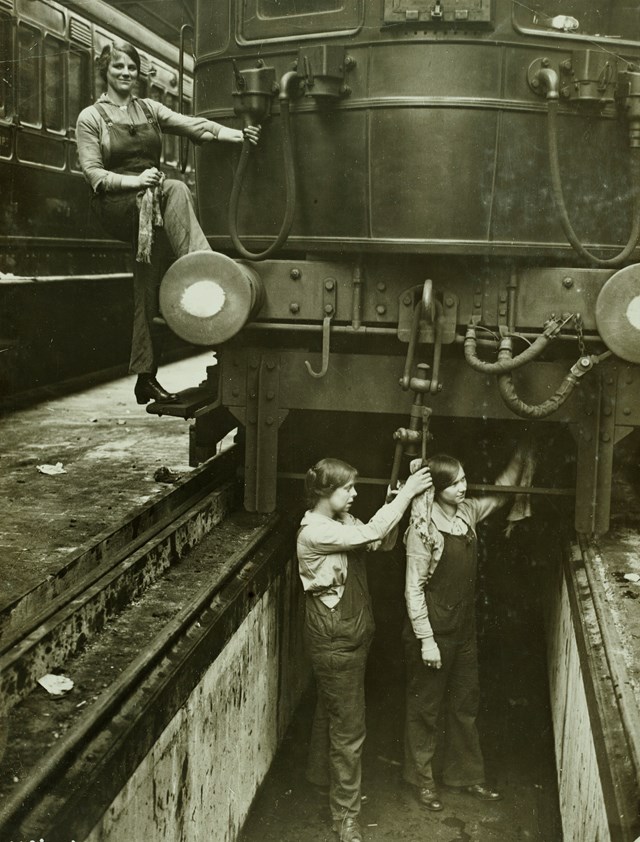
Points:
(192, 402)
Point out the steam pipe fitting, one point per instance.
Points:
(549, 80)
(284, 94)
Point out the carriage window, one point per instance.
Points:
(612, 18)
(6, 68)
(265, 19)
(54, 56)
(78, 86)
(29, 53)
(285, 8)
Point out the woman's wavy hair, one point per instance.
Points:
(325, 476)
(104, 59)
(444, 470)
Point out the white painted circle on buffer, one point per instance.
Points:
(203, 299)
(633, 312)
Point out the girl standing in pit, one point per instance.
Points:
(440, 634)
(339, 625)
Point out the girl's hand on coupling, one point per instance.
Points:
(431, 653)
(418, 483)
(252, 134)
(149, 178)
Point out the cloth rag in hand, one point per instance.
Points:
(150, 217)
(521, 508)
(420, 520)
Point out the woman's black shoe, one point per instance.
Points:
(148, 389)
(430, 799)
(482, 793)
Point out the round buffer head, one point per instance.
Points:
(206, 297)
(618, 313)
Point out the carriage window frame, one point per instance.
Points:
(56, 89)
(578, 37)
(84, 86)
(251, 27)
(37, 75)
(7, 64)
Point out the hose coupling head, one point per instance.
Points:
(552, 327)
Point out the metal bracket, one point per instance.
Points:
(407, 303)
(262, 418)
(329, 308)
(596, 435)
(323, 68)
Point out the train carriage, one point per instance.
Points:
(65, 286)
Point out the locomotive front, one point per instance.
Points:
(441, 219)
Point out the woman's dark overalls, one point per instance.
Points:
(338, 640)
(133, 149)
(452, 690)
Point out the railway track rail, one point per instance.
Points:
(44, 627)
(72, 783)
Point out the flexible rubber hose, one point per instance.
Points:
(290, 192)
(542, 410)
(558, 195)
(506, 362)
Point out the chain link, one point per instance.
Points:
(579, 329)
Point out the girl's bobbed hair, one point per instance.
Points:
(104, 59)
(444, 470)
(325, 476)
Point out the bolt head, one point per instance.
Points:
(329, 285)
(381, 309)
(328, 309)
(294, 307)
(406, 300)
(449, 301)
(295, 274)
(585, 362)
(567, 283)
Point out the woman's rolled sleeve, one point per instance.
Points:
(184, 124)
(341, 536)
(90, 153)
(416, 577)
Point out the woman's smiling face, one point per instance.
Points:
(455, 493)
(121, 73)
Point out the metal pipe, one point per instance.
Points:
(289, 174)
(294, 327)
(558, 195)
(356, 318)
(484, 487)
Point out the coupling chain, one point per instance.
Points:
(579, 329)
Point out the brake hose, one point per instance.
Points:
(558, 195)
(509, 395)
(290, 183)
(506, 360)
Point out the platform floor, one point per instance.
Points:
(110, 448)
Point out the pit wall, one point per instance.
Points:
(595, 781)
(202, 774)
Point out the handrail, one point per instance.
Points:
(184, 142)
